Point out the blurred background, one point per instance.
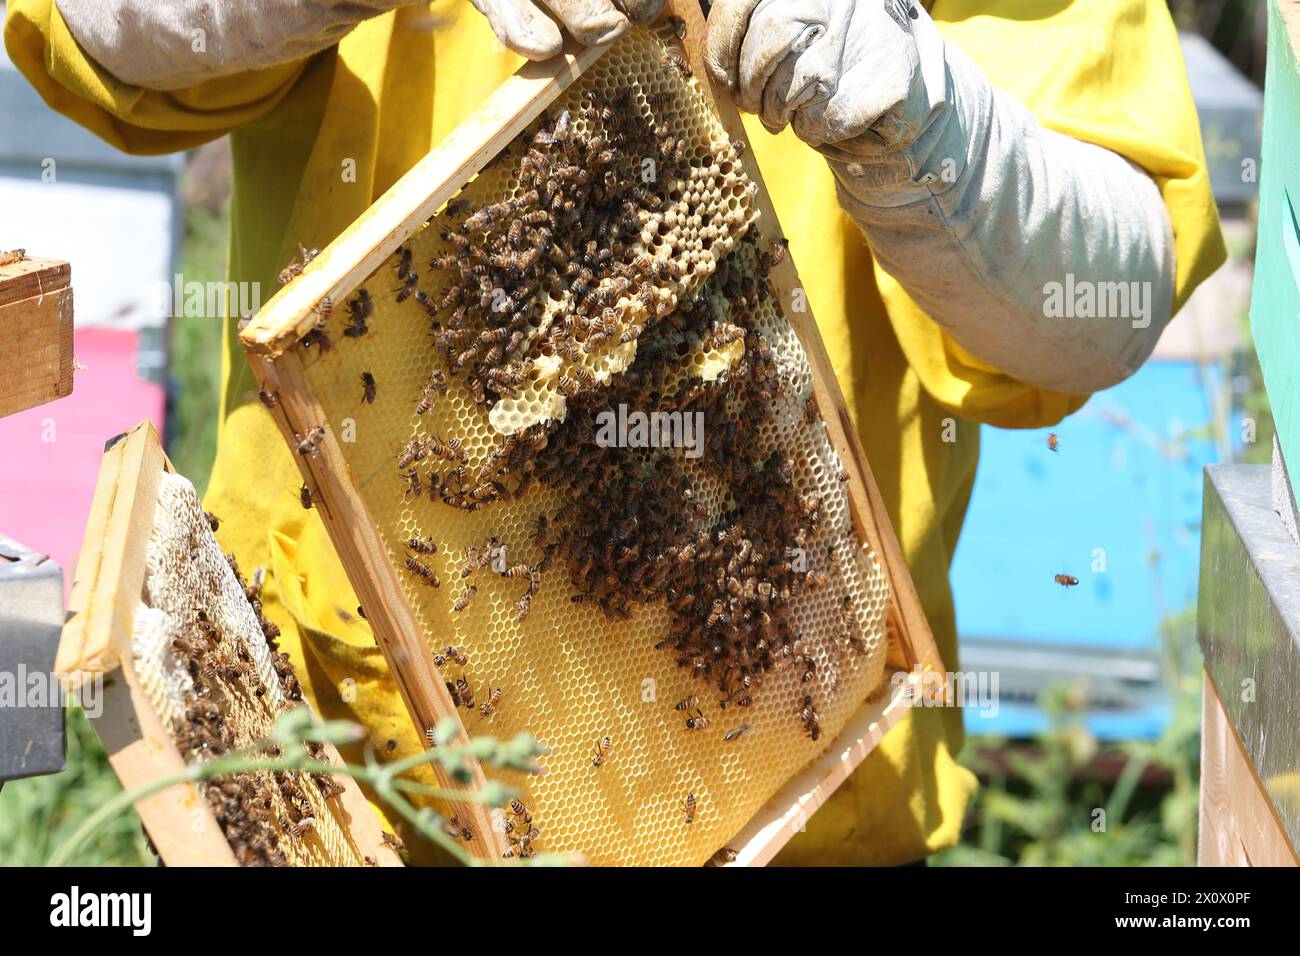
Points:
(1099, 685)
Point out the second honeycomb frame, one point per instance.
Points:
(271, 341)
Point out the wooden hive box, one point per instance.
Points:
(714, 284)
(136, 538)
(36, 314)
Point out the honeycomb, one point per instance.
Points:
(578, 655)
(229, 696)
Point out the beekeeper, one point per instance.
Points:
(1009, 163)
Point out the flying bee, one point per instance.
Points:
(490, 705)
(602, 751)
(1066, 580)
(310, 445)
(424, 571)
(465, 598)
(736, 734)
(465, 693)
(1053, 442)
(689, 806)
(267, 398)
(422, 545)
(306, 497)
(368, 388)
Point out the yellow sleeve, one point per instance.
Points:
(1108, 72)
(130, 118)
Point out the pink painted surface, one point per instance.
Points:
(50, 455)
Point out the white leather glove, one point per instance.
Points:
(151, 43)
(977, 210)
(524, 28)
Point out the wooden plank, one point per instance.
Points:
(110, 572)
(179, 820)
(1239, 826)
(36, 316)
(786, 812)
(365, 558)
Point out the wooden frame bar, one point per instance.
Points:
(271, 339)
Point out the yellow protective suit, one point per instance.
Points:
(1107, 72)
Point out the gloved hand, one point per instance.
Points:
(524, 28)
(831, 67)
(972, 206)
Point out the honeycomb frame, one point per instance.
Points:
(123, 556)
(282, 366)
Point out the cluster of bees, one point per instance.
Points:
(257, 812)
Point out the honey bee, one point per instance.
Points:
(457, 655)
(690, 703)
(698, 721)
(404, 263)
(811, 719)
(689, 806)
(678, 26)
(1053, 442)
(436, 385)
(393, 842)
(324, 309)
(360, 308)
(457, 206)
(489, 707)
(673, 59)
(1066, 580)
(368, 388)
(310, 445)
(736, 734)
(519, 810)
(12, 256)
(453, 694)
(424, 571)
(267, 398)
(602, 751)
(306, 497)
(422, 545)
(465, 693)
(457, 830)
